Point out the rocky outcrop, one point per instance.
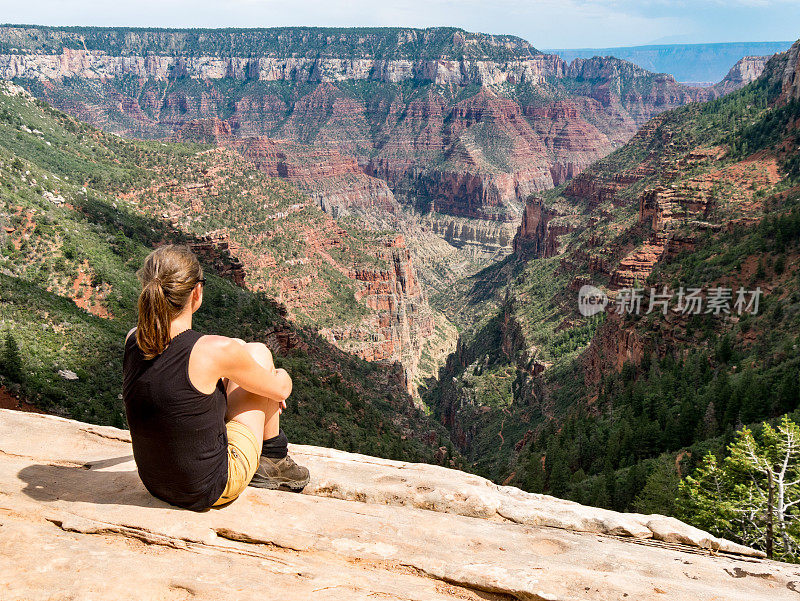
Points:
(784, 70)
(746, 69)
(401, 320)
(208, 131)
(215, 248)
(791, 81)
(666, 211)
(537, 237)
(484, 240)
(365, 526)
(635, 267)
(614, 344)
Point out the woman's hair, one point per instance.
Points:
(168, 276)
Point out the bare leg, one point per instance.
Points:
(260, 414)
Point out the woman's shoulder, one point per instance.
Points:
(213, 344)
(128, 335)
(209, 356)
(213, 339)
(215, 351)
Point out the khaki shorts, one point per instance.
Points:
(243, 458)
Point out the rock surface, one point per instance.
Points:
(786, 68)
(72, 506)
(746, 69)
(336, 182)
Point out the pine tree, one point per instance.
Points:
(705, 499)
(754, 495)
(535, 479)
(559, 476)
(660, 489)
(725, 349)
(788, 393)
(634, 481)
(12, 360)
(610, 484)
(598, 495)
(707, 428)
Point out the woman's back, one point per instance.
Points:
(178, 432)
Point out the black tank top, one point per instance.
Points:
(178, 433)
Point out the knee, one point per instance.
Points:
(240, 341)
(260, 352)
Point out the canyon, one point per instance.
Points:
(286, 246)
(437, 134)
(689, 201)
(416, 199)
(470, 137)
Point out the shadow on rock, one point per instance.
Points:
(86, 483)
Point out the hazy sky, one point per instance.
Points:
(545, 23)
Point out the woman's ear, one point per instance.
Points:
(197, 297)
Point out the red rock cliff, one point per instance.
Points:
(402, 319)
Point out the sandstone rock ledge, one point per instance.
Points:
(76, 523)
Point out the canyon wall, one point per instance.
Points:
(784, 69)
(358, 287)
(673, 208)
(401, 319)
(333, 180)
(537, 236)
(99, 65)
(691, 190)
(746, 69)
(459, 124)
(459, 127)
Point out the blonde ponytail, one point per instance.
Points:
(168, 276)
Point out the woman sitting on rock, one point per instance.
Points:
(203, 410)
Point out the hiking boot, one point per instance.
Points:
(274, 473)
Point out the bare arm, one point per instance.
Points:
(236, 364)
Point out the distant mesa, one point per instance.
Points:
(704, 64)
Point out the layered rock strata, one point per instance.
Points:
(333, 180)
(401, 320)
(746, 69)
(462, 124)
